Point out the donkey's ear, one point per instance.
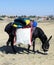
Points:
(49, 38)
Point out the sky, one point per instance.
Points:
(27, 7)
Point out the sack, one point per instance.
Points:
(23, 35)
(27, 21)
(21, 22)
(8, 28)
(34, 24)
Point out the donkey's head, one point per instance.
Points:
(45, 45)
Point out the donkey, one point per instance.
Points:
(38, 33)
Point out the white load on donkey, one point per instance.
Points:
(23, 35)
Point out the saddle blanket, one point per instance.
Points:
(23, 35)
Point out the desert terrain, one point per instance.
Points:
(7, 57)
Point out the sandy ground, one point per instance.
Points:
(7, 57)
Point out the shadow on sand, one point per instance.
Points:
(19, 50)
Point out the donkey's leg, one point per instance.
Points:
(9, 40)
(28, 48)
(13, 47)
(34, 46)
(12, 38)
